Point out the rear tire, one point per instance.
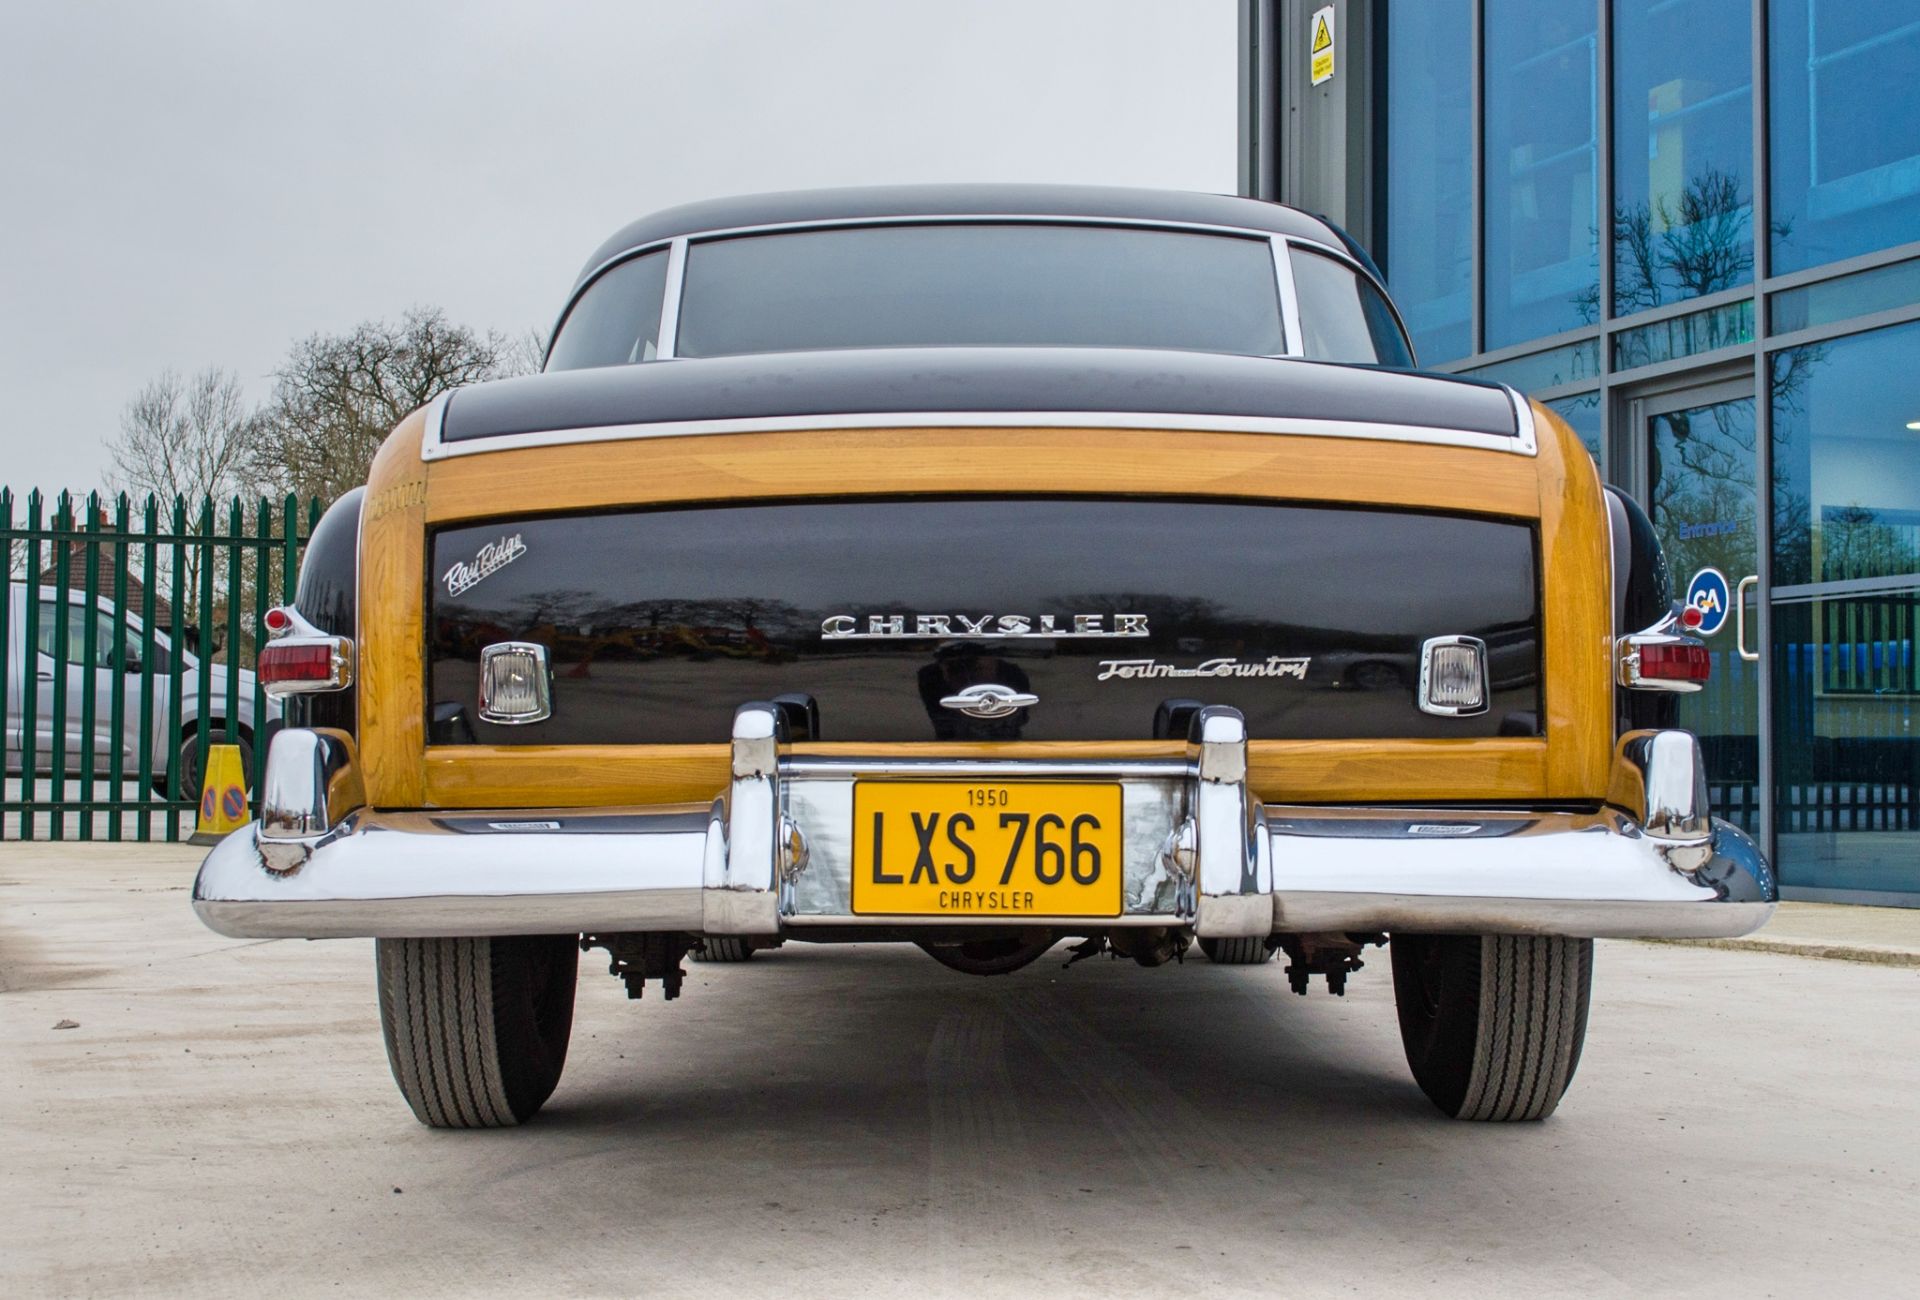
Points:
(1492, 1024)
(732, 948)
(477, 1029)
(1249, 950)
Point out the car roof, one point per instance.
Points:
(885, 202)
(1087, 387)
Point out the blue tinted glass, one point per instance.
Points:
(1429, 253)
(1880, 289)
(1582, 412)
(1846, 461)
(1845, 128)
(1684, 336)
(1846, 611)
(1543, 261)
(1568, 365)
(1682, 145)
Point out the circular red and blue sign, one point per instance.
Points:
(1712, 597)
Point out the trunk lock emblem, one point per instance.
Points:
(988, 701)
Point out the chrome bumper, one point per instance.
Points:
(773, 854)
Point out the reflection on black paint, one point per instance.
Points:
(958, 666)
(662, 622)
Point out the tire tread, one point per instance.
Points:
(440, 1003)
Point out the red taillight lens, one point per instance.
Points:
(1680, 662)
(287, 667)
(277, 620)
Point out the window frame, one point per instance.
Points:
(1280, 247)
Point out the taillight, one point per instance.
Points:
(1679, 662)
(1661, 658)
(295, 665)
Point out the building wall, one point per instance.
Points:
(1692, 227)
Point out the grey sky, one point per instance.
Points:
(189, 182)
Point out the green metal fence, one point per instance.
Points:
(127, 643)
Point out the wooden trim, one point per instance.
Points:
(1577, 621)
(392, 623)
(735, 467)
(1282, 771)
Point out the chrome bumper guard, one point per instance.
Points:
(773, 854)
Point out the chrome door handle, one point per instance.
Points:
(1740, 618)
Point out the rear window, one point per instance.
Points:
(958, 284)
(1343, 317)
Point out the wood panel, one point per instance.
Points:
(1281, 771)
(1577, 621)
(392, 628)
(732, 467)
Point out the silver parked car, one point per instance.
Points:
(168, 749)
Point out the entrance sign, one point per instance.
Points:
(1320, 47)
(1709, 593)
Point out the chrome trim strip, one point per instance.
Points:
(1296, 343)
(1358, 429)
(1524, 431)
(669, 300)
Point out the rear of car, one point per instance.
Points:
(981, 570)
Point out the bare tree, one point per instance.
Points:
(526, 353)
(183, 437)
(339, 395)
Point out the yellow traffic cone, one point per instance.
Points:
(223, 796)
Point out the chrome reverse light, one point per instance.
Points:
(1453, 676)
(516, 686)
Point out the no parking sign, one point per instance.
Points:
(1709, 593)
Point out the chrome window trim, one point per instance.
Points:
(1523, 430)
(669, 300)
(432, 447)
(1293, 336)
(1347, 259)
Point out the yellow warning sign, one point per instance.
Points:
(1320, 48)
(223, 795)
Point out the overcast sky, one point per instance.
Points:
(187, 183)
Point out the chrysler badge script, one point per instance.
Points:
(1273, 667)
(902, 627)
(989, 701)
(493, 557)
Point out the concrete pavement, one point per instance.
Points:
(864, 1122)
(1887, 936)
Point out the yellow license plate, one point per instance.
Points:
(986, 848)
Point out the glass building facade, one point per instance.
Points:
(1692, 229)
